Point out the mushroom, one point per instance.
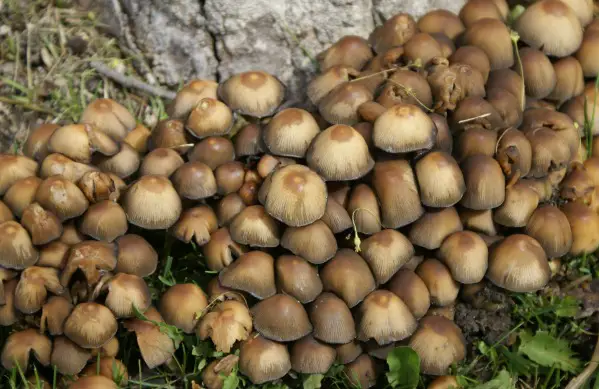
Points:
(434, 226)
(248, 141)
(138, 138)
(155, 346)
(13, 168)
(19, 196)
(290, 132)
(336, 217)
(109, 117)
(16, 249)
(213, 151)
(506, 105)
(209, 117)
(160, 162)
(79, 141)
(578, 185)
(189, 96)
(386, 252)
(348, 276)
(362, 372)
(123, 164)
(418, 130)
(518, 263)
(263, 360)
(217, 292)
(450, 84)
(5, 213)
(227, 323)
(253, 93)
(350, 50)
(298, 278)
(474, 112)
(584, 223)
(42, 225)
(493, 37)
(421, 48)
(520, 202)
(309, 356)
(410, 288)
(5, 276)
(36, 145)
(348, 352)
(105, 221)
(253, 226)
(281, 318)
(406, 87)
(108, 349)
(253, 273)
(363, 210)
(98, 186)
(181, 306)
(587, 51)
(569, 78)
(93, 258)
(440, 180)
(194, 181)
(70, 234)
(87, 333)
(152, 203)
(466, 256)
(314, 242)
(229, 177)
(332, 320)
(54, 313)
(170, 134)
(549, 151)
(396, 31)
(216, 372)
(474, 141)
(67, 357)
(485, 183)
(126, 291)
(195, 223)
(93, 381)
(514, 154)
(473, 56)
(33, 287)
(340, 105)
(135, 256)
(19, 345)
(443, 21)
(61, 197)
(8, 313)
(438, 279)
(228, 207)
(539, 75)
(220, 251)
(108, 367)
(475, 10)
(439, 343)
(323, 83)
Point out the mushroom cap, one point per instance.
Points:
(209, 117)
(385, 318)
(396, 31)
(54, 313)
(57, 164)
(155, 346)
(323, 83)
(473, 142)
(290, 132)
(473, 56)
(281, 318)
(98, 186)
(20, 195)
(314, 242)
(108, 367)
(80, 141)
(443, 21)
(253, 226)
(14, 168)
(195, 223)
(33, 288)
(20, 344)
(42, 225)
(340, 105)
(170, 134)
(422, 48)
(213, 151)
(309, 356)
(253, 93)
(348, 352)
(126, 291)
(518, 264)
(363, 210)
(411, 290)
(5, 213)
(230, 321)
(348, 276)
(123, 164)
(440, 180)
(404, 128)
(221, 250)
(61, 197)
(68, 358)
(336, 217)
(339, 153)
(349, 50)
(90, 325)
(109, 117)
(584, 223)
(252, 272)
(539, 75)
(135, 256)
(466, 256)
(160, 162)
(139, 138)
(93, 382)
(36, 145)
(439, 343)
(298, 278)
(438, 279)
(493, 37)
(434, 226)
(507, 106)
(520, 202)
(475, 10)
(152, 203)
(180, 306)
(332, 320)
(213, 376)
(263, 360)
(189, 96)
(105, 221)
(228, 207)
(386, 252)
(569, 76)
(248, 141)
(406, 87)
(8, 312)
(564, 36)
(549, 151)
(16, 249)
(514, 147)
(93, 258)
(474, 112)
(587, 52)
(71, 234)
(485, 183)
(194, 181)
(362, 372)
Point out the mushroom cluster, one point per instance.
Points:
(438, 154)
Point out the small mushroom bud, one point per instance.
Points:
(214, 374)
(160, 162)
(396, 31)
(108, 367)
(229, 177)
(362, 372)
(194, 181)
(248, 141)
(226, 324)
(93, 381)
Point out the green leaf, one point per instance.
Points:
(568, 307)
(404, 368)
(313, 381)
(517, 364)
(548, 351)
(503, 380)
(231, 381)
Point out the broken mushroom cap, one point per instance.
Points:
(194, 181)
(189, 96)
(195, 223)
(418, 130)
(564, 36)
(80, 141)
(332, 320)
(54, 313)
(412, 291)
(442, 287)
(160, 162)
(443, 21)
(385, 252)
(135, 256)
(340, 105)
(109, 117)
(363, 210)
(126, 291)
(578, 185)
(92, 258)
(406, 87)
(263, 360)
(214, 375)
(14, 168)
(440, 180)
(584, 223)
(138, 138)
(518, 263)
(253, 93)
(514, 153)
(36, 145)
(309, 356)
(181, 306)
(20, 195)
(549, 151)
(105, 221)
(221, 250)
(252, 272)
(485, 183)
(466, 256)
(434, 226)
(213, 151)
(16, 249)
(349, 50)
(42, 225)
(348, 276)
(290, 132)
(155, 346)
(253, 226)
(314, 242)
(152, 203)
(61, 197)
(98, 186)
(209, 117)
(123, 164)
(68, 358)
(33, 287)
(520, 202)
(227, 323)
(88, 333)
(281, 318)
(493, 37)
(439, 343)
(298, 278)
(18, 346)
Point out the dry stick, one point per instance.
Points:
(131, 82)
(484, 115)
(578, 381)
(25, 104)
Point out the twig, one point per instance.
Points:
(27, 105)
(131, 82)
(484, 115)
(578, 381)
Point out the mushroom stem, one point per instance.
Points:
(578, 381)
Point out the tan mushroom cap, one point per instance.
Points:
(434, 226)
(539, 75)
(54, 313)
(518, 264)
(443, 21)
(5, 213)
(88, 333)
(138, 138)
(336, 217)
(520, 202)
(508, 106)
(33, 287)
(8, 313)
(587, 52)
(36, 145)
(110, 368)
(156, 347)
(19, 345)
(70, 234)
(14, 168)
(549, 151)
(105, 221)
(348, 276)
(152, 203)
(263, 360)
(298, 278)
(109, 117)
(93, 382)
(20, 195)
(473, 56)
(403, 128)
(213, 376)
(123, 164)
(332, 320)
(254, 93)
(180, 306)
(253, 226)
(68, 358)
(444, 140)
(195, 224)
(386, 252)
(514, 153)
(362, 372)
(93, 258)
(439, 343)
(248, 141)
(564, 36)
(135, 256)
(395, 187)
(194, 181)
(189, 96)
(209, 117)
(170, 134)
(126, 291)
(281, 318)
(54, 254)
(253, 273)
(80, 141)
(340, 105)
(42, 225)
(108, 349)
(221, 250)
(396, 31)
(349, 50)
(16, 249)
(440, 180)
(475, 10)
(485, 183)
(98, 186)
(213, 151)
(466, 256)
(290, 132)
(584, 223)
(363, 210)
(314, 242)
(412, 291)
(5, 276)
(229, 322)
(444, 382)
(442, 287)
(228, 207)
(577, 185)
(61, 197)
(160, 162)
(326, 81)
(570, 78)
(473, 142)
(348, 352)
(406, 87)
(385, 318)
(550, 227)
(229, 177)
(309, 356)
(493, 37)
(216, 292)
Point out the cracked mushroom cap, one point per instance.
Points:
(584, 223)
(123, 164)
(562, 39)
(363, 210)
(189, 96)
(441, 21)
(195, 223)
(254, 93)
(80, 141)
(253, 226)
(485, 183)
(466, 256)
(155, 346)
(332, 320)
(386, 252)
(253, 272)
(90, 325)
(439, 343)
(410, 288)
(57, 164)
(108, 367)
(152, 203)
(385, 318)
(442, 287)
(290, 132)
(160, 162)
(194, 181)
(68, 358)
(549, 151)
(298, 278)
(138, 138)
(14, 168)
(406, 87)
(518, 264)
(109, 117)
(551, 228)
(578, 184)
(514, 153)
(314, 242)
(180, 306)
(493, 37)
(36, 145)
(93, 258)
(135, 256)
(226, 324)
(54, 313)
(209, 117)
(434, 226)
(440, 180)
(309, 356)
(20, 195)
(263, 360)
(93, 382)
(281, 318)
(340, 105)
(520, 202)
(33, 287)
(98, 186)
(213, 151)
(350, 50)
(126, 291)
(348, 275)
(229, 177)
(16, 249)
(42, 225)
(61, 197)
(418, 131)
(221, 250)
(105, 221)
(19, 345)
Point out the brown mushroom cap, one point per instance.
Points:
(98, 186)
(518, 264)
(109, 117)
(406, 87)
(298, 278)
(348, 276)
(290, 132)
(520, 202)
(474, 141)
(417, 130)
(340, 105)
(253, 93)
(170, 134)
(93, 381)
(108, 367)
(514, 153)
(209, 117)
(485, 183)
(105, 220)
(422, 48)
(135, 256)
(20, 195)
(213, 151)
(314, 242)
(8, 313)
(14, 168)
(493, 37)
(5, 213)
(36, 145)
(564, 36)
(138, 138)
(253, 273)
(363, 210)
(195, 223)
(61, 197)
(473, 56)
(189, 96)
(54, 255)
(152, 203)
(19, 345)
(248, 141)
(68, 358)
(507, 106)
(348, 352)
(386, 252)
(228, 207)
(332, 320)
(396, 31)
(160, 162)
(263, 360)
(549, 151)
(439, 343)
(221, 250)
(362, 372)
(584, 223)
(475, 10)
(71, 234)
(570, 78)
(255, 227)
(443, 21)
(336, 217)
(227, 323)
(54, 313)
(33, 288)
(93, 258)
(155, 346)
(412, 291)
(194, 181)
(539, 75)
(326, 81)
(466, 256)
(438, 279)
(349, 50)
(214, 375)
(5, 275)
(42, 225)
(80, 141)
(123, 164)
(309, 356)
(126, 291)
(16, 249)
(440, 180)
(281, 318)
(434, 226)
(88, 333)
(587, 51)
(229, 177)
(180, 306)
